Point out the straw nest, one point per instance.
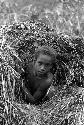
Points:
(17, 46)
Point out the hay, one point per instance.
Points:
(18, 43)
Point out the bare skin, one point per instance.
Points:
(42, 81)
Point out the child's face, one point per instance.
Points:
(43, 64)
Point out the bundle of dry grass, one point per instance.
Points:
(17, 46)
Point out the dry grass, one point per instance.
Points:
(18, 42)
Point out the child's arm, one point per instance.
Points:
(26, 92)
(41, 91)
(39, 94)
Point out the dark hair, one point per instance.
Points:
(46, 50)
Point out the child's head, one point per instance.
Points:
(44, 59)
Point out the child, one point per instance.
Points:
(38, 75)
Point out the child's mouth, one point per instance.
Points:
(40, 72)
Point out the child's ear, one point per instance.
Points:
(53, 69)
(34, 59)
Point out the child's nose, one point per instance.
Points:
(42, 67)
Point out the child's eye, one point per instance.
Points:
(40, 63)
(47, 65)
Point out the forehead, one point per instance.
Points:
(44, 58)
